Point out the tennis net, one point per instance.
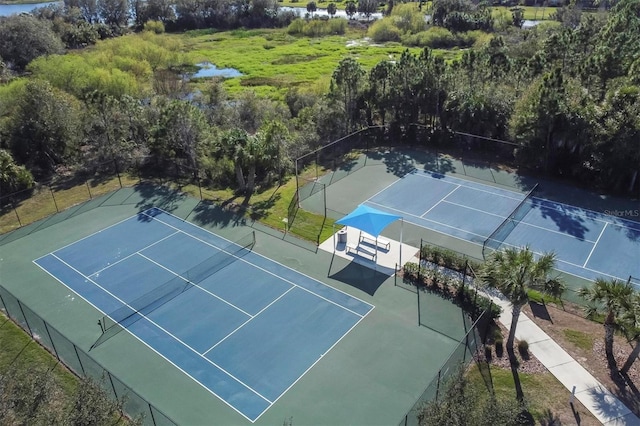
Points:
(135, 310)
(500, 234)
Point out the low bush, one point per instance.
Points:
(154, 26)
(523, 348)
(450, 288)
(317, 27)
(442, 38)
(384, 30)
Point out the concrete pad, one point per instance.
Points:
(573, 374)
(381, 259)
(604, 405)
(628, 420)
(529, 331)
(549, 353)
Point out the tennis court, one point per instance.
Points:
(587, 244)
(243, 326)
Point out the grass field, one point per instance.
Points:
(274, 61)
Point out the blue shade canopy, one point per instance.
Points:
(368, 219)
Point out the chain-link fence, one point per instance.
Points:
(78, 361)
(465, 351)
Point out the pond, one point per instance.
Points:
(323, 12)
(207, 69)
(13, 9)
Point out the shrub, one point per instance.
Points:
(499, 347)
(408, 18)
(154, 26)
(434, 37)
(337, 26)
(523, 348)
(296, 27)
(384, 30)
(317, 27)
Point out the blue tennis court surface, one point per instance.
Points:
(247, 333)
(587, 244)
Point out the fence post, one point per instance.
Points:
(13, 204)
(115, 164)
(88, 189)
(419, 263)
(153, 419)
(53, 345)
(418, 294)
(54, 198)
(438, 385)
(297, 184)
(25, 318)
(84, 373)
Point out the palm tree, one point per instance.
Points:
(631, 328)
(609, 298)
(514, 272)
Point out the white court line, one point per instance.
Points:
(594, 245)
(132, 254)
(249, 320)
(160, 354)
(318, 360)
(432, 221)
(441, 200)
(602, 217)
(196, 285)
(272, 273)
(161, 328)
(87, 236)
(474, 188)
(387, 187)
(260, 255)
(522, 222)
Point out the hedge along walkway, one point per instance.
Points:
(587, 389)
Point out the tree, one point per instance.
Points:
(181, 133)
(514, 272)
(350, 9)
(631, 328)
(346, 84)
(367, 7)
(539, 120)
(311, 7)
(92, 406)
(517, 16)
(332, 9)
(379, 88)
(13, 177)
(463, 403)
(24, 38)
(114, 13)
(29, 395)
(608, 298)
(44, 129)
(115, 129)
(233, 144)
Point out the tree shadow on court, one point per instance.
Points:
(398, 162)
(358, 276)
(569, 220)
(158, 196)
(218, 214)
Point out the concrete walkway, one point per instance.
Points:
(589, 391)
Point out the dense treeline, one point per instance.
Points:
(567, 93)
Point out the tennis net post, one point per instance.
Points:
(131, 312)
(500, 234)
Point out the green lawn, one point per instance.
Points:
(543, 393)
